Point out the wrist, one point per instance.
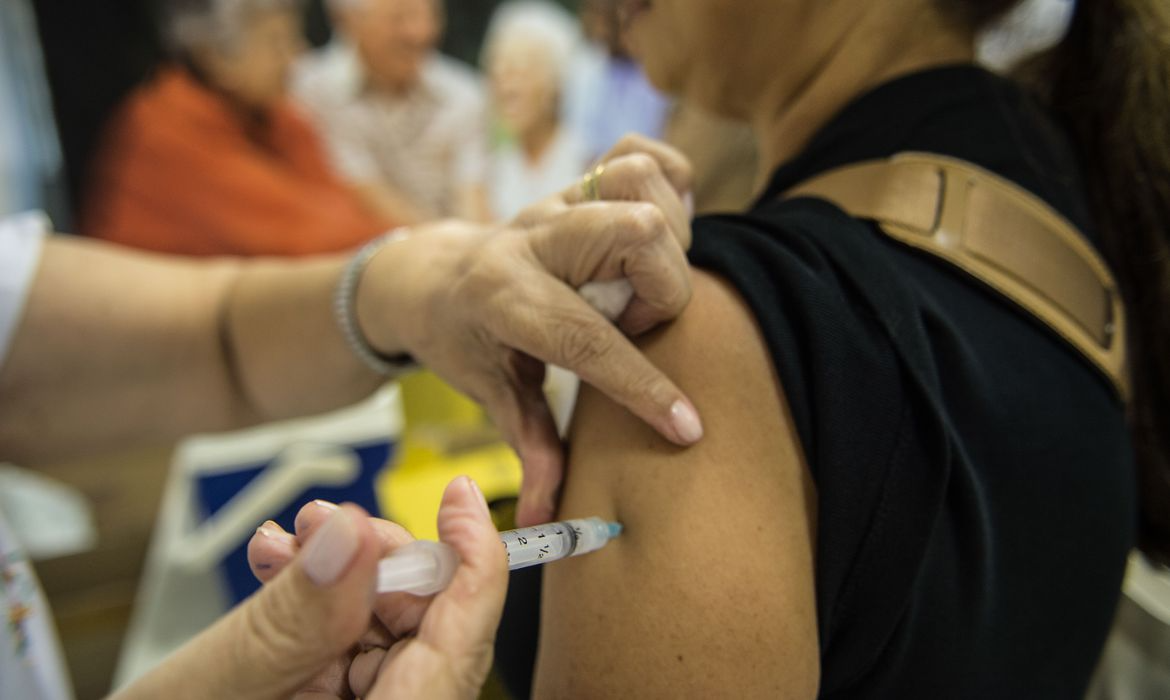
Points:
(403, 298)
(367, 331)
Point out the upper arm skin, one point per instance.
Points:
(709, 591)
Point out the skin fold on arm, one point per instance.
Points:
(709, 591)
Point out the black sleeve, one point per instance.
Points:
(874, 445)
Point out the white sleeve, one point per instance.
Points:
(21, 238)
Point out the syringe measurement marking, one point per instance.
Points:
(539, 543)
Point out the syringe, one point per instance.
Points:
(424, 567)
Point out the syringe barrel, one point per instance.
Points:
(541, 544)
(423, 567)
(530, 546)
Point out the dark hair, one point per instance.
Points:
(1108, 84)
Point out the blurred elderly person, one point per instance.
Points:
(209, 157)
(527, 53)
(608, 93)
(404, 124)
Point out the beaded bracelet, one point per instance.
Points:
(345, 309)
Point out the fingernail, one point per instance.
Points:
(271, 531)
(689, 203)
(329, 552)
(325, 504)
(479, 497)
(685, 421)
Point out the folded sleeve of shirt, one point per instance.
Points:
(21, 238)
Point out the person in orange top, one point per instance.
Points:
(209, 158)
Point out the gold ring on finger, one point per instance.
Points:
(590, 184)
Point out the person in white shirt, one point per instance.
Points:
(527, 54)
(101, 346)
(404, 123)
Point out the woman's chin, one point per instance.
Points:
(662, 69)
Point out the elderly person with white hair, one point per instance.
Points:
(210, 158)
(527, 54)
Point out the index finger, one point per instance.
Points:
(558, 326)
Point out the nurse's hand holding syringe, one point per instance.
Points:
(467, 572)
(413, 646)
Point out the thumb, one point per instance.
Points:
(310, 614)
(281, 638)
(452, 653)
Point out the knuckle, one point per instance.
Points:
(584, 342)
(672, 295)
(484, 276)
(641, 166)
(271, 634)
(646, 223)
(678, 299)
(631, 142)
(647, 385)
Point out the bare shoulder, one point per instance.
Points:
(710, 590)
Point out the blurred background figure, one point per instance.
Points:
(209, 158)
(609, 95)
(527, 55)
(30, 160)
(404, 124)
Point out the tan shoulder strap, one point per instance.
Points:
(997, 232)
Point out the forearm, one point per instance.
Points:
(117, 348)
(283, 342)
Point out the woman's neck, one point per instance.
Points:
(784, 125)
